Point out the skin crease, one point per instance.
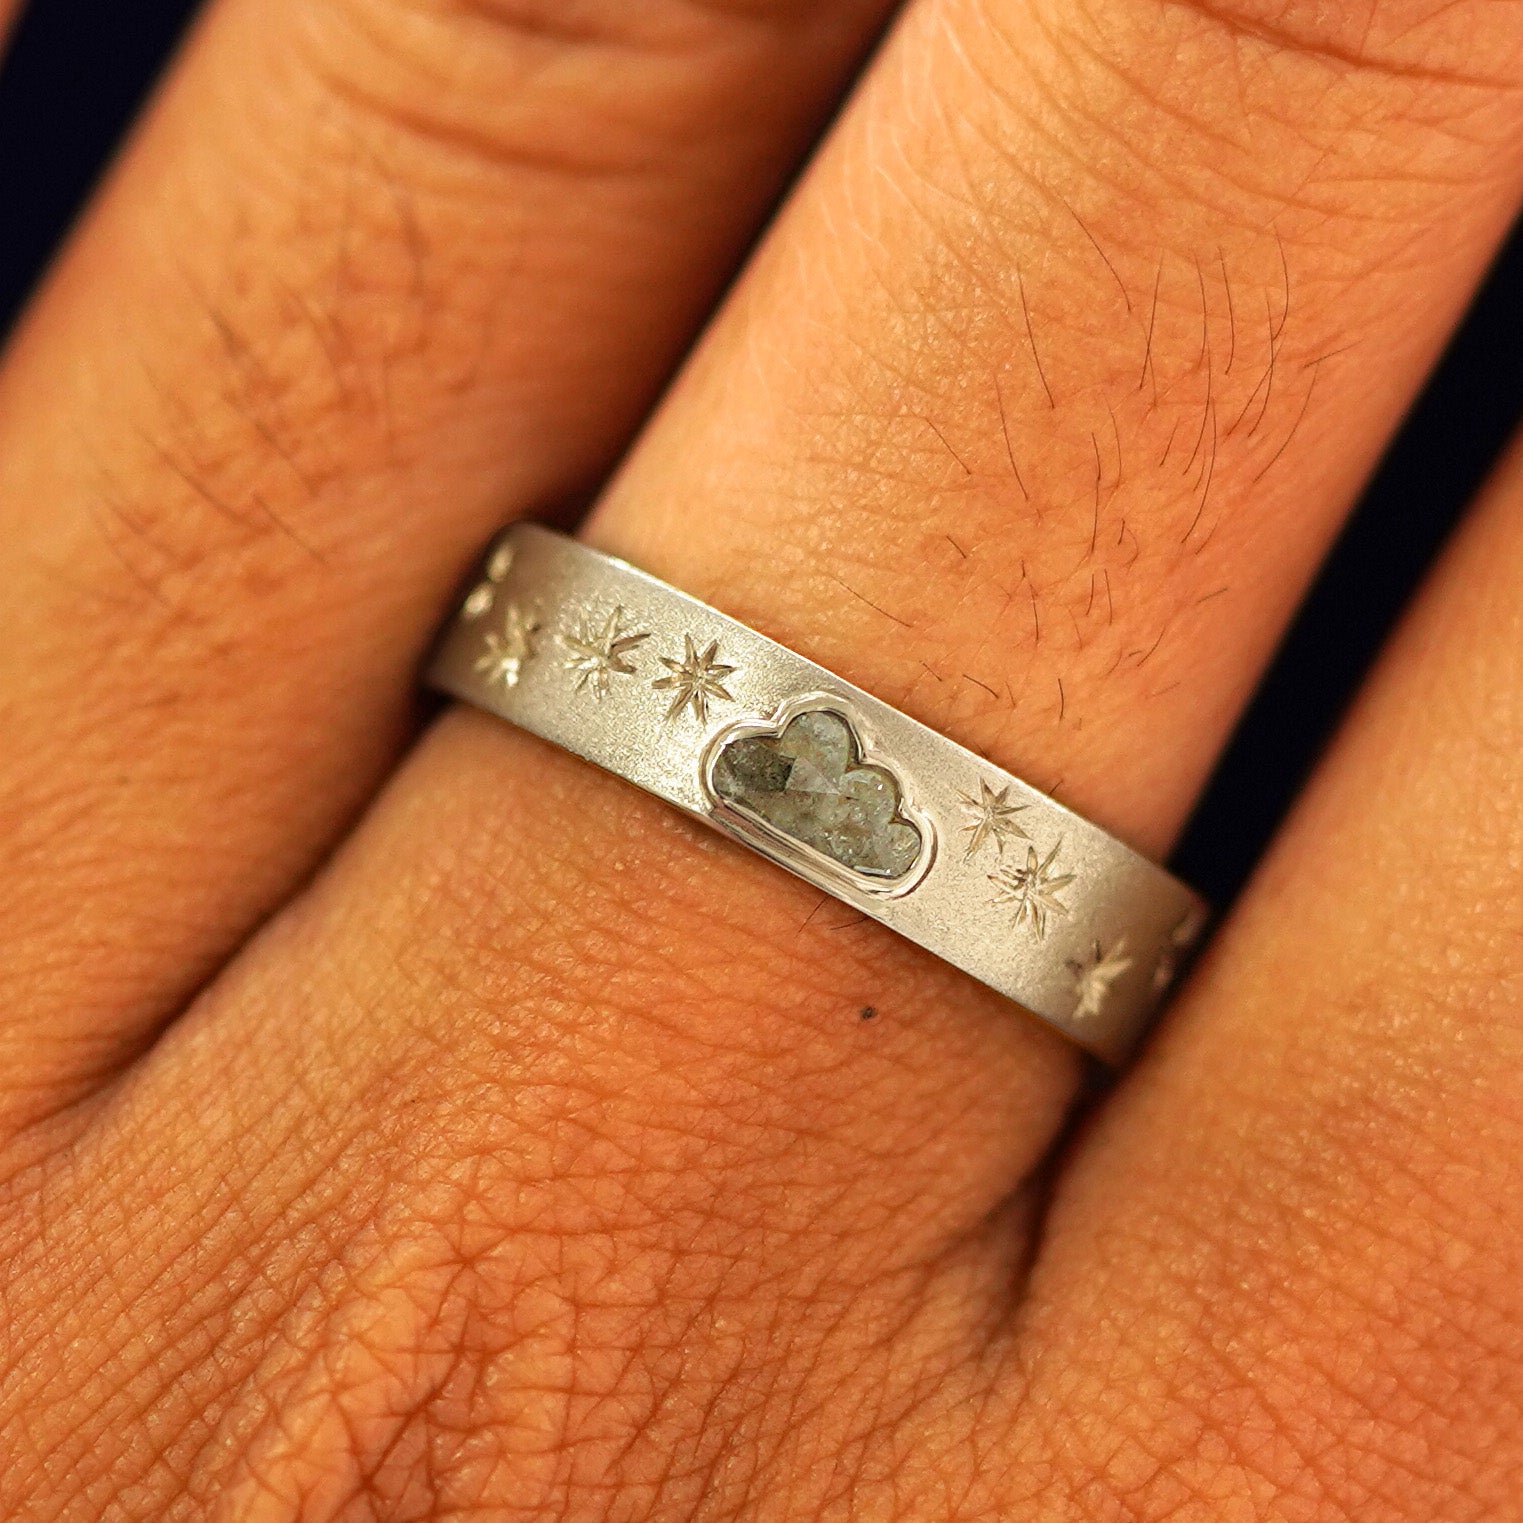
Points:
(535, 1161)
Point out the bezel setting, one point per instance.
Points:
(808, 861)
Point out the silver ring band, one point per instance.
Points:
(864, 802)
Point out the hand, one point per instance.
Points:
(448, 1130)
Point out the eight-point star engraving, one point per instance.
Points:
(695, 679)
(506, 653)
(1093, 978)
(600, 652)
(484, 594)
(991, 818)
(1033, 889)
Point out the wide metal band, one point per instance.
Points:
(863, 801)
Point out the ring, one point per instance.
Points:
(867, 804)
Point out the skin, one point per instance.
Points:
(405, 1126)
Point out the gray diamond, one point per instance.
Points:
(810, 783)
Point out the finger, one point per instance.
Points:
(9, 9)
(533, 1029)
(1312, 1190)
(1072, 519)
(374, 275)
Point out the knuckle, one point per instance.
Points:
(483, 1343)
(290, 386)
(412, 1381)
(716, 1014)
(302, 377)
(592, 91)
(1412, 39)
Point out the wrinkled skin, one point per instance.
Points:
(426, 1126)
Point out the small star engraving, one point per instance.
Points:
(500, 563)
(1181, 939)
(694, 680)
(479, 603)
(484, 594)
(598, 653)
(991, 818)
(1093, 979)
(506, 653)
(1033, 889)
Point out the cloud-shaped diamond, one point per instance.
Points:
(810, 783)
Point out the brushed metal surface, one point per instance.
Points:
(650, 684)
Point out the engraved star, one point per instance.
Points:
(1181, 939)
(479, 602)
(484, 594)
(1033, 889)
(600, 653)
(694, 680)
(500, 564)
(991, 818)
(1093, 980)
(505, 654)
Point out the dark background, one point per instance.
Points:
(79, 68)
